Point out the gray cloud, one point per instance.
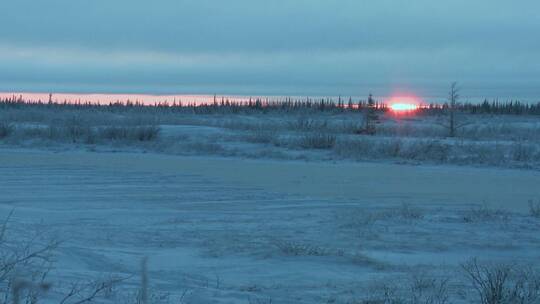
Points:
(270, 47)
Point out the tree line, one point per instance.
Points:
(226, 105)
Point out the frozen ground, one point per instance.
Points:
(230, 230)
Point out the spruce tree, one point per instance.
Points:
(370, 116)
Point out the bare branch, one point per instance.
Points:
(4, 225)
(77, 290)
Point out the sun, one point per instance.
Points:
(403, 104)
(397, 107)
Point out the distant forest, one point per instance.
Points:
(225, 105)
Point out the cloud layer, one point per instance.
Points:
(282, 47)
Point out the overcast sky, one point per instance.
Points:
(278, 47)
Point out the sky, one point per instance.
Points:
(279, 47)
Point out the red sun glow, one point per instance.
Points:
(403, 104)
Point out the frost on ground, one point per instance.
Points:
(220, 230)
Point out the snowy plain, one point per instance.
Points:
(228, 211)
(219, 230)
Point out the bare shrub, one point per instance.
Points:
(52, 132)
(356, 149)
(406, 211)
(318, 141)
(503, 283)
(417, 289)
(523, 152)
(452, 124)
(362, 223)
(494, 154)
(362, 219)
(503, 130)
(205, 148)
(146, 294)
(73, 132)
(430, 150)
(114, 133)
(308, 124)
(384, 293)
(351, 127)
(262, 136)
(6, 129)
(88, 292)
(534, 208)
(369, 148)
(433, 150)
(429, 290)
(257, 300)
(412, 129)
(146, 133)
(24, 266)
(246, 125)
(438, 151)
(78, 132)
(484, 214)
(369, 223)
(24, 271)
(293, 248)
(138, 133)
